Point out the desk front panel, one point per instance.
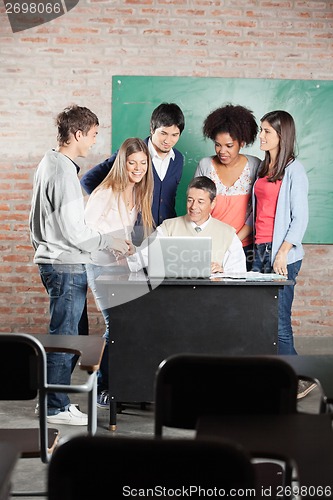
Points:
(193, 318)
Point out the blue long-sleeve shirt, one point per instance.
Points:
(292, 214)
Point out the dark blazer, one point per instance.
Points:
(164, 197)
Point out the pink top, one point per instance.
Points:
(233, 210)
(233, 203)
(266, 194)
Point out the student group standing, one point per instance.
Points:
(134, 191)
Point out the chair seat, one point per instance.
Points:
(27, 440)
(269, 475)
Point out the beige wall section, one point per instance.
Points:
(73, 58)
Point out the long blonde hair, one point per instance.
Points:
(117, 180)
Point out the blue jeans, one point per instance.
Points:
(66, 285)
(249, 255)
(93, 272)
(262, 263)
(262, 258)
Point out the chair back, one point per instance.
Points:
(22, 367)
(80, 468)
(23, 371)
(188, 386)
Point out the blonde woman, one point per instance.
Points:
(113, 207)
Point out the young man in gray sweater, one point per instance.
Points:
(63, 242)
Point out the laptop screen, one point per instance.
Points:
(179, 257)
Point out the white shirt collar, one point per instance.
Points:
(202, 226)
(154, 154)
(161, 165)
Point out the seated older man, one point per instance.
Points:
(227, 250)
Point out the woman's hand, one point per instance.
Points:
(122, 248)
(216, 268)
(131, 248)
(280, 262)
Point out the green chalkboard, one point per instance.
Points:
(310, 102)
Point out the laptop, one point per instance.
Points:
(179, 257)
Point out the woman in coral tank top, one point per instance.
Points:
(231, 128)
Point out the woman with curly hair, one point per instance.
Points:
(231, 128)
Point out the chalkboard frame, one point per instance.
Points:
(310, 102)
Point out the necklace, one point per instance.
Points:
(128, 199)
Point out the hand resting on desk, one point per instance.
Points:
(216, 268)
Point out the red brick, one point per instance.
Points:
(73, 58)
(15, 258)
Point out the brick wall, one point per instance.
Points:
(73, 58)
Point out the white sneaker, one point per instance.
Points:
(72, 410)
(76, 411)
(72, 416)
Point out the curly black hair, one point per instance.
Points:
(237, 121)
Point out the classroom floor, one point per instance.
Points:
(133, 421)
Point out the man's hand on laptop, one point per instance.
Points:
(216, 268)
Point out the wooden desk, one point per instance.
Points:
(8, 458)
(90, 349)
(151, 320)
(305, 438)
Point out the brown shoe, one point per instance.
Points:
(304, 387)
